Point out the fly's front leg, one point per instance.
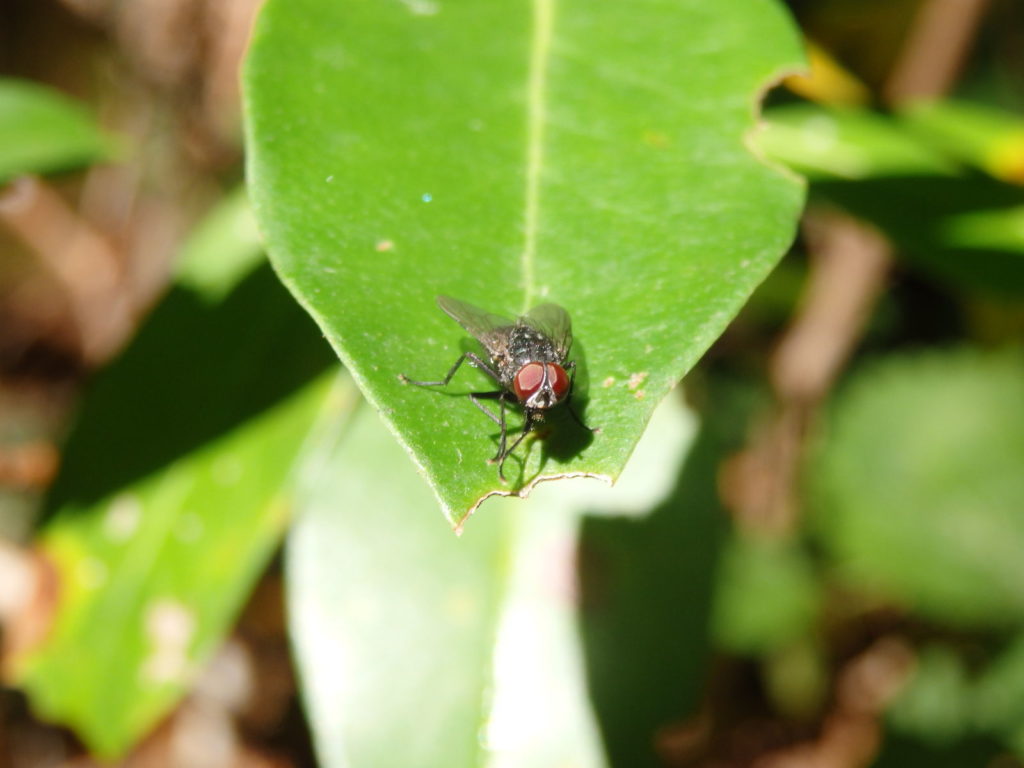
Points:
(474, 360)
(476, 397)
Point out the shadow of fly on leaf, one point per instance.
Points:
(528, 358)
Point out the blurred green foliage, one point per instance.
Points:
(920, 488)
(640, 626)
(42, 131)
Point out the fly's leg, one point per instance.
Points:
(502, 398)
(503, 448)
(474, 360)
(502, 440)
(527, 426)
(568, 398)
(476, 397)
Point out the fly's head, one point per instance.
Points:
(539, 386)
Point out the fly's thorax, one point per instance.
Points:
(527, 345)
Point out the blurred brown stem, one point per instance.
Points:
(935, 49)
(77, 256)
(849, 265)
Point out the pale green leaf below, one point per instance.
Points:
(509, 153)
(392, 618)
(473, 639)
(41, 130)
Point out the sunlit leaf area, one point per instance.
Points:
(511, 384)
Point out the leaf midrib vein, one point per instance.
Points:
(540, 51)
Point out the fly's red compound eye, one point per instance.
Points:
(558, 379)
(528, 380)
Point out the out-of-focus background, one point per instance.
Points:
(834, 576)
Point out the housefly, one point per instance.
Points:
(528, 358)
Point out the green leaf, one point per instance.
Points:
(919, 488)
(152, 577)
(392, 617)
(768, 595)
(590, 154)
(935, 704)
(998, 698)
(223, 248)
(898, 751)
(42, 131)
(942, 701)
(194, 371)
(985, 137)
(354, 578)
(1001, 229)
(647, 588)
(172, 495)
(965, 229)
(846, 143)
(473, 639)
(961, 230)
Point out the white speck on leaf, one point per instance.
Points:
(423, 7)
(122, 517)
(169, 626)
(636, 380)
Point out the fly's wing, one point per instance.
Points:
(553, 322)
(483, 326)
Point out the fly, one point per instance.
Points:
(528, 358)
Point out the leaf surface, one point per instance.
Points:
(507, 154)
